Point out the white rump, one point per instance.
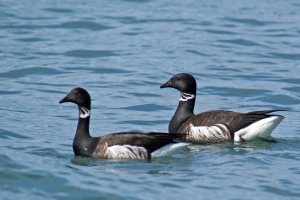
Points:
(260, 129)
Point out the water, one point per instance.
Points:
(244, 55)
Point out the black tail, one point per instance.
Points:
(264, 113)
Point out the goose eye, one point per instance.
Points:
(177, 78)
(76, 93)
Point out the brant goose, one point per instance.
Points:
(215, 125)
(123, 145)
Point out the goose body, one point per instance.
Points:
(122, 145)
(236, 126)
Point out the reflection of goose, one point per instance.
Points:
(123, 145)
(215, 125)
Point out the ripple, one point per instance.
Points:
(135, 33)
(196, 52)
(133, 20)
(254, 77)
(240, 42)
(67, 25)
(90, 53)
(58, 10)
(18, 27)
(284, 35)
(280, 99)
(222, 32)
(2, 92)
(84, 25)
(145, 107)
(48, 152)
(31, 40)
(252, 22)
(286, 155)
(138, 1)
(101, 70)
(48, 53)
(225, 69)
(30, 71)
(140, 94)
(278, 33)
(293, 89)
(280, 191)
(291, 80)
(226, 91)
(4, 134)
(142, 122)
(7, 162)
(289, 56)
(203, 23)
(54, 84)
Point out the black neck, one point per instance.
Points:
(184, 111)
(82, 139)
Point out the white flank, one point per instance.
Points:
(186, 96)
(84, 112)
(259, 129)
(169, 149)
(215, 133)
(126, 152)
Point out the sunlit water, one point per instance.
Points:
(244, 55)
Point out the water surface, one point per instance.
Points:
(244, 55)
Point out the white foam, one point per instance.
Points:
(169, 149)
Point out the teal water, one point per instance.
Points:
(244, 55)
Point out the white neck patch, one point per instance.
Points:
(84, 112)
(186, 96)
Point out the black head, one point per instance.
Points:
(79, 96)
(183, 82)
